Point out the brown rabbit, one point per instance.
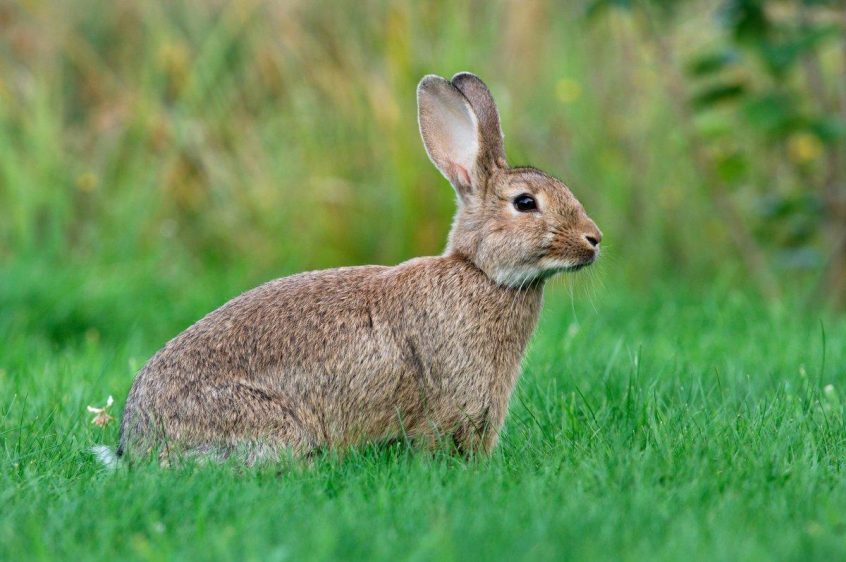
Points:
(426, 350)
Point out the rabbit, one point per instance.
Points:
(428, 350)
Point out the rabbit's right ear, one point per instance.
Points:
(452, 135)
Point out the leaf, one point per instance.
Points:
(781, 56)
(828, 128)
(731, 167)
(773, 206)
(712, 62)
(773, 113)
(719, 93)
(746, 19)
(715, 126)
(778, 57)
(779, 206)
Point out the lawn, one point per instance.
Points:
(651, 423)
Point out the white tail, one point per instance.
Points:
(106, 456)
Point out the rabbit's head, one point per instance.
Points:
(518, 225)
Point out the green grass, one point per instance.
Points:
(652, 424)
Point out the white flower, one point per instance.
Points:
(102, 417)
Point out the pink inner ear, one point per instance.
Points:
(461, 174)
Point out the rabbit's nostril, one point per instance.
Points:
(593, 241)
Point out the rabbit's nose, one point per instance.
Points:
(593, 235)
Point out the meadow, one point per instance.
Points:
(681, 399)
(656, 425)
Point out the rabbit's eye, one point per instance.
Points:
(525, 203)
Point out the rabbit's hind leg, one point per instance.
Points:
(258, 423)
(231, 420)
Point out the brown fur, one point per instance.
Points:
(428, 349)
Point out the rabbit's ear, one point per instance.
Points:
(450, 132)
(487, 116)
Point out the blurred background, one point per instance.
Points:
(168, 155)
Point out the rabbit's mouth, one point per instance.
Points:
(555, 266)
(582, 265)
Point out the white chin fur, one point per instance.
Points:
(555, 266)
(521, 276)
(517, 276)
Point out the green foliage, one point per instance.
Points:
(777, 85)
(710, 62)
(767, 88)
(717, 93)
(264, 139)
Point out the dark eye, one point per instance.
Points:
(525, 203)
